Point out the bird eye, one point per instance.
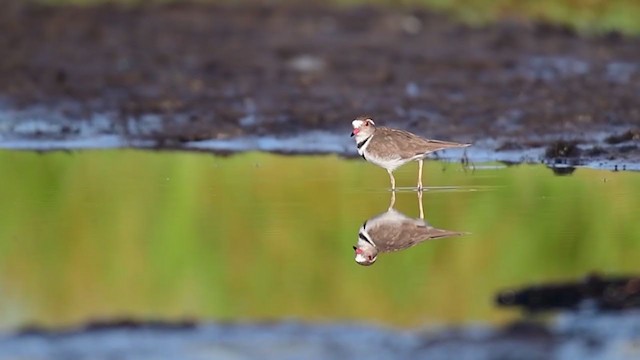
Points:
(366, 124)
(370, 257)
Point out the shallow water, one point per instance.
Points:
(104, 234)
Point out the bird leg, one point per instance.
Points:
(420, 175)
(393, 200)
(420, 205)
(393, 180)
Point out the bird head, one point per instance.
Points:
(363, 127)
(366, 251)
(365, 256)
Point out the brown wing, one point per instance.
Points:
(394, 236)
(406, 144)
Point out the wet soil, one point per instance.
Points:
(223, 71)
(600, 293)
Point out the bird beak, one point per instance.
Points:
(355, 132)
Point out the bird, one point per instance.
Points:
(393, 231)
(391, 148)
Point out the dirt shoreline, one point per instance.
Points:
(172, 74)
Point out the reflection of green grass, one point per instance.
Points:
(255, 236)
(589, 15)
(603, 15)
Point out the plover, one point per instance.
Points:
(392, 148)
(393, 231)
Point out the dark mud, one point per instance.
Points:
(171, 74)
(595, 292)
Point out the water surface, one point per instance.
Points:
(104, 234)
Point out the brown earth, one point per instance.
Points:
(219, 71)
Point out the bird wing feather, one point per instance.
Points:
(390, 236)
(407, 145)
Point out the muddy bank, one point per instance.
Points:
(163, 76)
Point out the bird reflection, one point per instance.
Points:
(393, 231)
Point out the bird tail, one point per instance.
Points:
(441, 233)
(435, 145)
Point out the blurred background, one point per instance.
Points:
(178, 179)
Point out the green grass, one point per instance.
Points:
(590, 16)
(256, 236)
